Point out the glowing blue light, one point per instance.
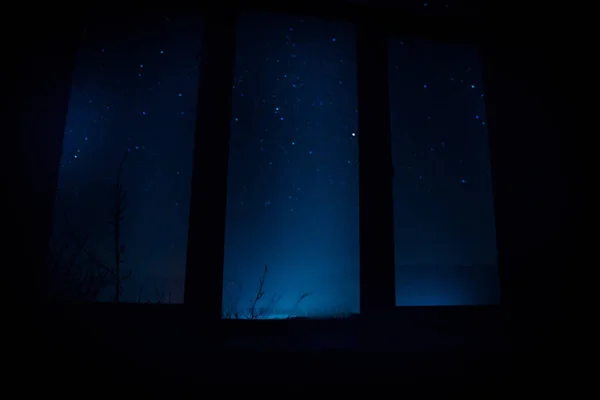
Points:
(289, 265)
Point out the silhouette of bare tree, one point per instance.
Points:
(259, 307)
(74, 270)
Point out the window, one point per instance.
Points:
(121, 215)
(443, 208)
(291, 243)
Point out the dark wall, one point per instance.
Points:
(526, 109)
(43, 78)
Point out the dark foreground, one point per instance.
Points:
(163, 344)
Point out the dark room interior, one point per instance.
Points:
(345, 191)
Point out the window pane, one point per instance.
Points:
(128, 147)
(293, 178)
(443, 208)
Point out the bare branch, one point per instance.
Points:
(259, 294)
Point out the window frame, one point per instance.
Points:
(203, 285)
(377, 258)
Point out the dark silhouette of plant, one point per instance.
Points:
(302, 297)
(159, 297)
(117, 216)
(256, 311)
(75, 271)
(259, 295)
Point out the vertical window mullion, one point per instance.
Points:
(375, 173)
(204, 270)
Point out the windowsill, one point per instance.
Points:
(163, 341)
(407, 329)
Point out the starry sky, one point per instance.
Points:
(430, 7)
(293, 177)
(444, 230)
(134, 90)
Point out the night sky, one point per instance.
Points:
(134, 89)
(293, 175)
(444, 230)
